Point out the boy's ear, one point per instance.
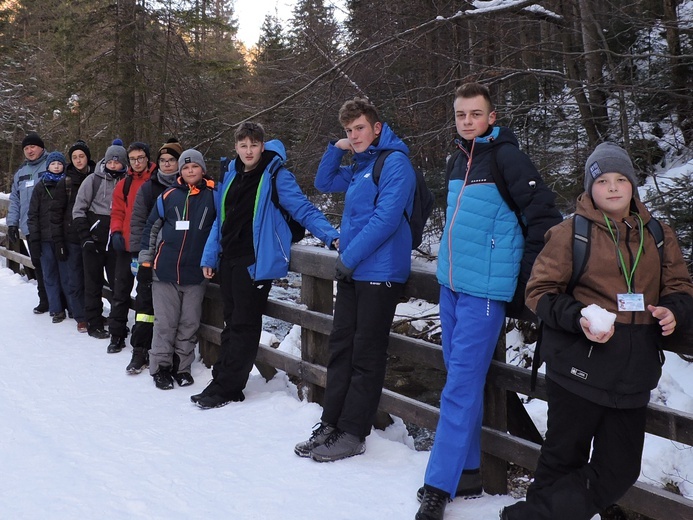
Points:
(492, 117)
(377, 128)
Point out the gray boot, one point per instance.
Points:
(321, 432)
(339, 445)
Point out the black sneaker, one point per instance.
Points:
(339, 445)
(98, 333)
(217, 400)
(183, 378)
(210, 389)
(321, 432)
(139, 361)
(58, 317)
(433, 504)
(41, 308)
(116, 345)
(163, 379)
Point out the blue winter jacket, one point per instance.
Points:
(271, 233)
(25, 179)
(375, 237)
(483, 248)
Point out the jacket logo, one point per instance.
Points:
(367, 175)
(578, 373)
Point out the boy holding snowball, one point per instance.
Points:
(599, 375)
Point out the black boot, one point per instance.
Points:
(116, 345)
(139, 361)
(433, 504)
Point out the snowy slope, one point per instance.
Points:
(81, 439)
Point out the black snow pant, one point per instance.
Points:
(144, 311)
(244, 304)
(569, 484)
(358, 353)
(94, 265)
(120, 303)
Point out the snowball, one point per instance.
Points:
(600, 319)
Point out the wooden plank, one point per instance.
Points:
(13, 256)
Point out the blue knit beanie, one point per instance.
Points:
(56, 156)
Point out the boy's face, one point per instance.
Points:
(473, 116)
(55, 167)
(611, 193)
(361, 133)
(114, 166)
(192, 173)
(249, 152)
(79, 159)
(168, 163)
(138, 160)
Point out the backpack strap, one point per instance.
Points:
(378, 170)
(655, 229)
(275, 193)
(581, 249)
(127, 184)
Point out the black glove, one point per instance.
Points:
(342, 272)
(13, 234)
(144, 274)
(91, 246)
(117, 241)
(60, 251)
(35, 249)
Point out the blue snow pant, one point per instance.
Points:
(72, 280)
(471, 327)
(51, 277)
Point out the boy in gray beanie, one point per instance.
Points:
(609, 158)
(601, 373)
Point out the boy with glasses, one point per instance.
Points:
(165, 177)
(124, 194)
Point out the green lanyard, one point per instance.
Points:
(628, 275)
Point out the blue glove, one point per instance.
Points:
(134, 266)
(342, 272)
(117, 241)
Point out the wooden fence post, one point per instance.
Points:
(317, 295)
(494, 470)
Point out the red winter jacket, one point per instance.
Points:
(121, 208)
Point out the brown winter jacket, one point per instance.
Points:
(621, 371)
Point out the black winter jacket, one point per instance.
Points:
(62, 226)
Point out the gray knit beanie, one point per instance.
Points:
(609, 158)
(191, 156)
(116, 152)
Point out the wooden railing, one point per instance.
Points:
(505, 421)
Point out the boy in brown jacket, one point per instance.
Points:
(598, 382)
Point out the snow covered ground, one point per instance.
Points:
(79, 438)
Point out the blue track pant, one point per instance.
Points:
(471, 327)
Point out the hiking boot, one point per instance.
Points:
(321, 432)
(82, 326)
(433, 504)
(183, 378)
(217, 400)
(139, 361)
(41, 308)
(58, 317)
(503, 515)
(99, 333)
(116, 345)
(339, 445)
(211, 389)
(163, 379)
(468, 487)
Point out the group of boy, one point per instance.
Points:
(498, 213)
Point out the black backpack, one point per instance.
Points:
(423, 200)
(298, 231)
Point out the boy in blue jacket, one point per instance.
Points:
(172, 243)
(250, 245)
(484, 262)
(373, 265)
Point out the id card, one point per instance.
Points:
(631, 302)
(30, 183)
(182, 225)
